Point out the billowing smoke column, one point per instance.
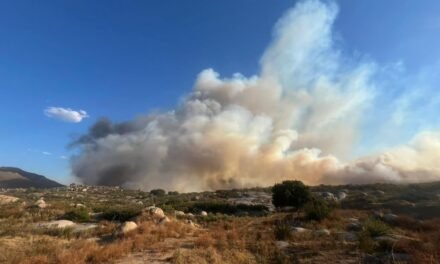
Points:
(298, 119)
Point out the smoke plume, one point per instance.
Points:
(299, 118)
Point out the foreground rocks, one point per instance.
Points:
(40, 203)
(127, 227)
(6, 199)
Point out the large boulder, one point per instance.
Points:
(40, 203)
(203, 213)
(6, 199)
(156, 212)
(127, 227)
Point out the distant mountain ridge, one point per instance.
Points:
(11, 177)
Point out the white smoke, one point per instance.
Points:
(298, 119)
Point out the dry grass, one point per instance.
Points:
(46, 250)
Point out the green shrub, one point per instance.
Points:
(290, 193)
(120, 214)
(77, 215)
(158, 192)
(317, 209)
(376, 228)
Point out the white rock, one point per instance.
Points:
(300, 230)
(203, 213)
(80, 206)
(40, 203)
(6, 199)
(61, 224)
(156, 212)
(323, 232)
(179, 213)
(127, 227)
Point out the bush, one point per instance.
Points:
(158, 192)
(376, 228)
(317, 209)
(120, 214)
(77, 215)
(290, 193)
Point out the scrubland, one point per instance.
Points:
(369, 224)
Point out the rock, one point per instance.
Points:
(342, 195)
(322, 232)
(179, 213)
(349, 236)
(189, 222)
(80, 206)
(282, 244)
(40, 203)
(127, 227)
(353, 220)
(164, 220)
(390, 218)
(190, 215)
(328, 196)
(300, 230)
(156, 212)
(354, 226)
(61, 224)
(203, 213)
(377, 215)
(6, 199)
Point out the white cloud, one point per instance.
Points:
(63, 157)
(46, 153)
(66, 114)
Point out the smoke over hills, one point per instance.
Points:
(299, 118)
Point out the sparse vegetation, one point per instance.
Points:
(239, 227)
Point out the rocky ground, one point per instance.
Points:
(85, 224)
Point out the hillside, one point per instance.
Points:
(16, 178)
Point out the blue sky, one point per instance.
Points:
(120, 59)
